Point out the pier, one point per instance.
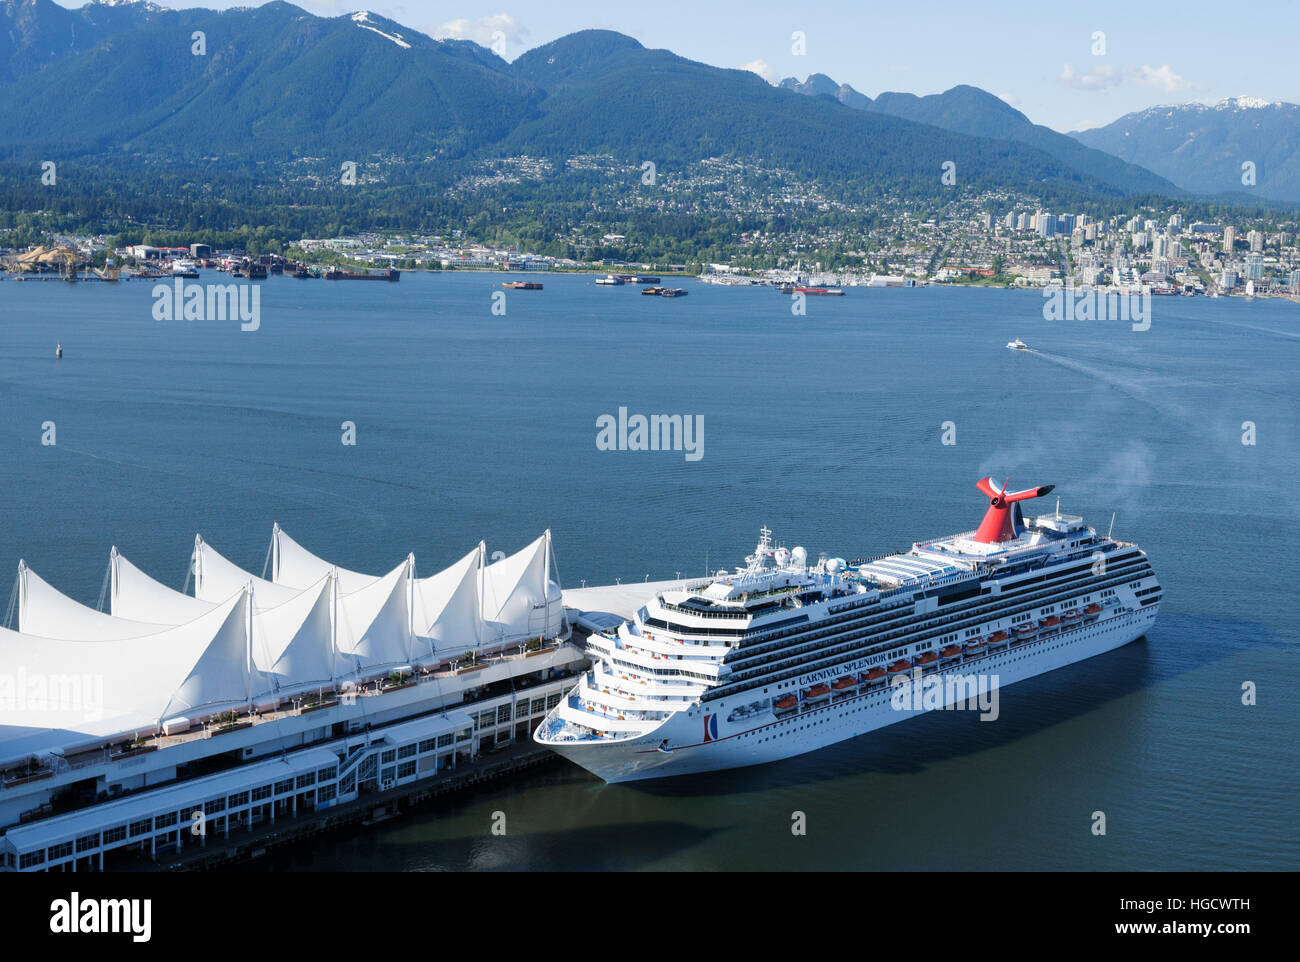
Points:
(240, 846)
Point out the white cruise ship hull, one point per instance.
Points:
(701, 739)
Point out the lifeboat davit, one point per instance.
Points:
(845, 682)
(817, 693)
(876, 676)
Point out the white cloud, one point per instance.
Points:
(1098, 78)
(764, 70)
(484, 31)
(1162, 77)
(1106, 77)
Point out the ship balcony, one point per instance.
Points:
(602, 677)
(651, 660)
(626, 703)
(592, 717)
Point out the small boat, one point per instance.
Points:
(1017, 345)
(184, 268)
(817, 693)
(974, 648)
(58, 349)
(334, 274)
(844, 683)
(656, 291)
(522, 285)
(875, 677)
(950, 653)
(672, 292)
(1050, 623)
(645, 279)
(900, 667)
(1092, 611)
(819, 291)
(610, 281)
(928, 659)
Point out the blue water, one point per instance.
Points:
(828, 428)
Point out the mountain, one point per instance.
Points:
(605, 93)
(275, 82)
(36, 33)
(1202, 147)
(820, 85)
(970, 110)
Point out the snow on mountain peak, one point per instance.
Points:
(361, 17)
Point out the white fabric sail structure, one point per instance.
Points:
(137, 597)
(46, 612)
(294, 566)
(293, 643)
(519, 599)
(373, 625)
(447, 607)
(129, 683)
(217, 578)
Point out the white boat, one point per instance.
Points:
(1017, 345)
(183, 267)
(610, 281)
(666, 689)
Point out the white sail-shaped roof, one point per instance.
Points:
(135, 596)
(519, 598)
(217, 578)
(45, 611)
(134, 681)
(294, 566)
(293, 643)
(447, 607)
(374, 624)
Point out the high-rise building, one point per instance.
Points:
(1256, 240)
(1255, 266)
(1229, 238)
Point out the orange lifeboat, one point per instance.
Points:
(1093, 609)
(845, 682)
(928, 659)
(875, 676)
(900, 667)
(786, 703)
(975, 647)
(1051, 621)
(817, 693)
(998, 637)
(952, 651)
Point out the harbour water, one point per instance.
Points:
(829, 428)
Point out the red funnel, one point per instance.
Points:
(997, 526)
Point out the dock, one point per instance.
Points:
(241, 846)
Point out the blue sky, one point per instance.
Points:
(1037, 56)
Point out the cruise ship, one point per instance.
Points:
(781, 657)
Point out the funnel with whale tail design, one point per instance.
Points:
(998, 524)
